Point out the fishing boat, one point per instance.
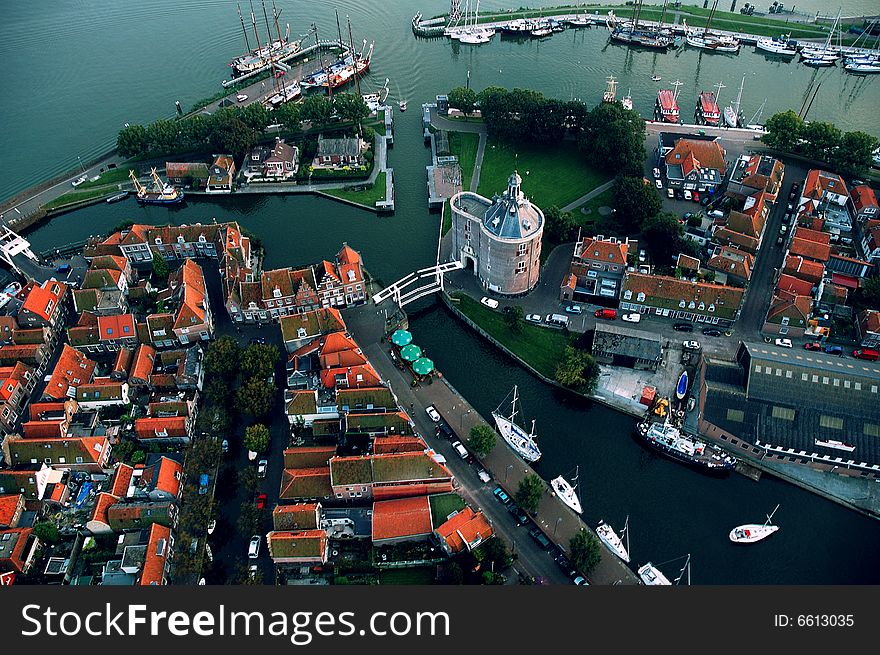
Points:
(162, 193)
(610, 90)
(780, 46)
(667, 104)
(668, 440)
(752, 532)
(8, 293)
(609, 538)
(651, 575)
(276, 50)
(837, 445)
(707, 107)
(522, 442)
(359, 66)
(122, 195)
(863, 68)
(567, 492)
(732, 116)
(706, 40)
(627, 101)
(681, 388)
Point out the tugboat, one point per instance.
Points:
(667, 104)
(162, 193)
(668, 440)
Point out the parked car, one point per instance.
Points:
(705, 200)
(779, 241)
(608, 314)
(679, 194)
(279, 73)
(783, 343)
(533, 318)
(489, 302)
(696, 196)
(501, 495)
(670, 193)
(536, 534)
(711, 332)
(783, 229)
(574, 309)
(656, 173)
(691, 345)
(521, 517)
(203, 484)
(631, 318)
(443, 429)
(643, 256)
(212, 526)
(795, 187)
(78, 181)
(432, 413)
(580, 580)
(659, 184)
(64, 269)
(834, 350)
(241, 97)
(683, 327)
(688, 195)
(254, 547)
(483, 475)
(261, 501)
(813, 345)
(866, 353)
(262, 467)
(459, 448)
(224, 445)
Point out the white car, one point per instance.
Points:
(241, 97)
(631, 318)
(659, 184)
(691, 345)
(670, 192)
(78, 181)
(212, 526)
(656, 173)
(262, 467)
(489, 302)
(688, 195)
(254, 547)
(783, 343)
(533, 318)
(432, 413)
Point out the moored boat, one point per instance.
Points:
(752, 532)
(122, 195)
(627, 101)
(651, 575)
(707, 108)
(834, 443)
(863, 68)
(681, 388)
(567, 492)
(780, 46)
(667, 104)
(610, 90)
(609, 537)
(706, 40)
(522, 442)
(668, 440)
(162, 193)
(731, 112)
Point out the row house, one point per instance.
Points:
(193, 320)
(18, 550)
(72, 369)
(868, 328)
(187, 173)
(463, 532)
(158, 557)
(597, 268)
(870, 240)
(105, 286)
(789, 313)
(11, 509)
(85, 454)
(302, 329)
(754, 173)
(675, 298)
(299, 516)
(276, 163)
(695, 164)
(139, 243)
(239, 263)
(825, 196)
(102, 392)
(387, 476)
(169, 369)
(287, 291)
(43, 305)
(102, 334)
(731, 265)
(164, 429)
(16, 385)
(298, 548)
(864, 203)
(221, 174)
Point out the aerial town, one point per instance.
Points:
(185, 401)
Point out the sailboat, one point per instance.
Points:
(731, 112)
(567, 493)
(822, 56)
(610, 90)
(471, 34)
(609, 538)
(631, 34)
(651, 575)
(752, 532)
(708, 41)
(376, 99)
(780, 46)
(522, 442)
(627, 101)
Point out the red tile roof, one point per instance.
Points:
(795, 285)
(397, 443)
(8, 507)
(168, 476)
(192, 308)
(863, 197)
(399, 519)
(12, 377)
(870, 321)
(160, 427)
(355, 377)
(122, 480)
(144, 360)
(158, 550)
(99, 512)
(806, 245)
(122, 363)
(120, 326)
(73, 368)
(733, 262)
(43, 300)
(708, 154)
(818, 183)
(465, 530)
(787, 303)
(806, 269)
(602, 249)
(43, 429)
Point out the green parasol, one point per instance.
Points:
(411, 352)
(401, 338)
(423, 366)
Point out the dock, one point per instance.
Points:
(323, 44)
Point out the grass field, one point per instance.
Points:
(594, 221)
(367, 197)
(442, 505)
(464, 146)
(78, 196)
(541, 348)
(114, 176)
(551, 175)
(422, 576)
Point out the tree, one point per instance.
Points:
(664, 236)
(228, 133)
(513, 316)
(138, 457)
(492, 578)
(613, 139)
(316, 109)
(635, 201)
(350, 107)
(47, 531)
(585, 551)
(867, 296)
(853, 157)
(560, 226)
(132, 141)
(822, 140)
(250, 519)
(256, 397)
(463, 99)
(256, 438)
(162, 136)
(528, 493)
(222, 357)
(578, 371)
(482, 439)
(783, 130)
(259, 360)
(289, 114)
(255, 116)
(160, 270)
(248, 480)
(193, 132)
(494, 552)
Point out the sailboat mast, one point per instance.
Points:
(243, 28)
(266, 17)
(254, 23)
(662, 16)
(637, 15)
(276, 15)
(338, 30)
(739, 95)
(513, 405)
(709, 19)
(357, 78)
(718, 86)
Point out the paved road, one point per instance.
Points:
(478, 163)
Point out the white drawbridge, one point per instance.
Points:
(13, 246)
(430, 280)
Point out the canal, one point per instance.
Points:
(672, 510)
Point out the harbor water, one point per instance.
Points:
(152, 54)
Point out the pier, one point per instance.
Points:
(325, 44)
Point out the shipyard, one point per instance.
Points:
(596, 282)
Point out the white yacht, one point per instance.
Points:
(752, 532)
(609, 538)
(777, 46)
(567, 492)
(651, 575)
(521, 441)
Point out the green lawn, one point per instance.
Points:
(78, 196)
(551, 175)
(367, 197)
(541, 348)
(447, 218)
(423, 575)
(594, 221)
(442, 505)
(464, 146)
(114, 176)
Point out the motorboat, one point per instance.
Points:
(651, 575)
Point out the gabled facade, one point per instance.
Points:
(43, 305)
(275, 163)
(675, 298)
(597, 267)
(221, 174)
(695, 164)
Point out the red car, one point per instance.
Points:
(696, 197)
(279, 73)
(261, 501)
(815, 345)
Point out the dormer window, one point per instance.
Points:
(711, 308)
(641, 297)
(301, 333)
(627, 294)
(682, 304)
(276, 292)
(158, 241)
(202, 238)
(180, 239)
(692, 305)
(702, 306)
